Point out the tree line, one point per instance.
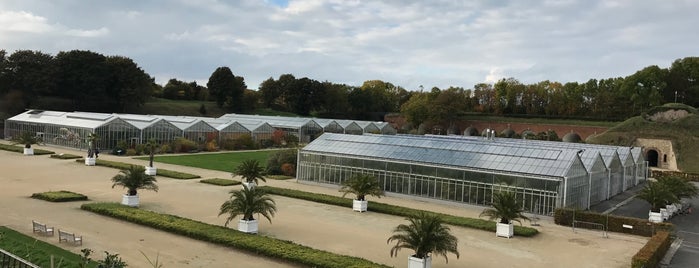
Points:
(94, 82)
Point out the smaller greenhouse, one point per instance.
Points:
(193, 129)
(152, 128)
(261, 131)
(329, 125)
(368, 127)
(303, 128)
(386, 128)
(351, 127)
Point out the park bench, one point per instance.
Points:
(69, 238)
(41, 228)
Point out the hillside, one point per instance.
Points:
(676, 122)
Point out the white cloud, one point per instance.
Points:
(21, 21)
(88, 33)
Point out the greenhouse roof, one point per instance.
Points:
(275, 121)
(76, 119)
(549, 162)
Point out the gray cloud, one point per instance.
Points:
(408, 43)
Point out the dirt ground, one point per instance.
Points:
(316, 225)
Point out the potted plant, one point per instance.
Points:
(92, 152)
(251, 171)
(506, 209)
(658, 196)
(134, 179)
(426, 234)
(27, 139)
(247, 202)
(361, 185)
(151, 145)
(681, 188)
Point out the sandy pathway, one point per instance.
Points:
(321, 226)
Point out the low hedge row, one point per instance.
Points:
(60, 196)
(20, 149)
(161, 172)
(220, 182)
(480, 224)
(613, 223)
(65, 156)
(279, 177)
(262, 245)
(661, 173)
(653, 252)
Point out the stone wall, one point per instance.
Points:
(561, 130)
(666, 154)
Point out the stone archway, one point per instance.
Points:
(652, 157)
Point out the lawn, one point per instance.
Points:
(222, 161)
(36, 251)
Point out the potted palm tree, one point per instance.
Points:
(506, 209)
(134, 179)
(91, 158)
(151, 145)
(658, 196)
(426, 234)
(681, 188)
(251, 171)
(361, 185)
(247, 202)
(28, 140)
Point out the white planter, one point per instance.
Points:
(414, 262)
(665, 214)
(249, 227)
(360, 206)
(90, 161)
(672, 209)
(28, 151)
(655, 217)
(504, 230)
(151, 171)
(250, 185)
(130, 200)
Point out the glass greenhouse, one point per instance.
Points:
(459, 170)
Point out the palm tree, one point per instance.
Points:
(680, 187)
(134, 179)
(251, 171)
(152, 143)
(657, 195)
(425, 235)
(247, 202)
(505, 207)
(362, 185)
(27, 139)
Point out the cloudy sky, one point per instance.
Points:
(408, 43)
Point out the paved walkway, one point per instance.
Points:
(332, 228)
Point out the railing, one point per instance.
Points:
(593, 225)
(9, 260)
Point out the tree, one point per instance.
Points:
(251, 171)
(657, 195)
(247, 202)
(26, 138)
(133, 179)
(683, 82)
(151, 145)
(505, 207)
(83, 76)
(362, 185)
(645, 88)
(425, 234)
(130, 86)
(227, 89)
(680, 187)
(31, 73)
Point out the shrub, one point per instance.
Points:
(279, 158)
(220, 182)
(244, 142)
(257, 244)
(20, 149)
(653, 251)
(279, 177)
(140, 149)
(65, 156)
(130, 152)
(59, 196)
(211, 146)
(165, 148)
(183, 145)
(161, 172)
(613, 223)
(289, 169)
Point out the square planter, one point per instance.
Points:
(250, 185)
(28, 151)
(504, 230)
(151, 171)
(90, 161)
(360, 206)
(414, 262)
(671, 209)
(665, 214)
(249, 227)
(655, 217)
(130, 200)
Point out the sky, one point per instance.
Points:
(436, 43)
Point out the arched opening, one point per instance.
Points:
(652, 157)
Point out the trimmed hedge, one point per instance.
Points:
(660, 173)
(20, 149)
(65, 156)
(653, 252)
(59, 196)
(614, 223)
(220, 182)
(262, 245)
(279, 177)
(480, 224)
(161, 172)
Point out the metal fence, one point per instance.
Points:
(9, 260)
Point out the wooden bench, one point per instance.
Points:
(41, 228)
(69, 238)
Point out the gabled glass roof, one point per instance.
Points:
(450, 152)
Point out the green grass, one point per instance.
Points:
(59, 196)
(217, 161)
(221, 182)
(20, 149)
(37, 251)
(65, 156)
(179, 107)
(374, 206)
(161, 172)
(257, 244)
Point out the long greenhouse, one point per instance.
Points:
(459, 170)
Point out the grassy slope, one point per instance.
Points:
(222, 162)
